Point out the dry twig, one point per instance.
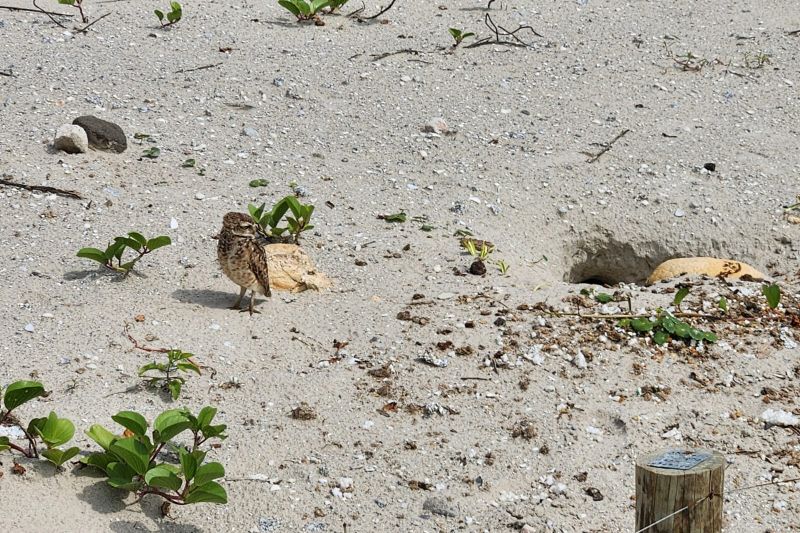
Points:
(500, 33)
(42, 188)
(606, 147)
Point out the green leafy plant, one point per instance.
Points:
(172, 17)
(189, 163)
(666, 326)
(723, 304)
(135, 241)
(76, 4)
(603, 297)
(483, 253)
(459, 35)
(757, 60)
(133, 460)
(298, 218)
(773, 294)
(52, 431)
(259, 183)
(303, 10)
(165, 375)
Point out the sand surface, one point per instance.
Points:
(503, 433)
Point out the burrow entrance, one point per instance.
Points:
(604, 259)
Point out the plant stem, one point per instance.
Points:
(170, 498)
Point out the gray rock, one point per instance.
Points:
(102, 134)
(439, 506)
(250, 132)
(71, 139)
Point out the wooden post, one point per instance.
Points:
(661, 491)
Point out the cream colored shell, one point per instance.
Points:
(290, 269)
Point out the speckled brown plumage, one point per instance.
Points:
(242, 258)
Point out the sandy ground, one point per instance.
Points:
(347, 129)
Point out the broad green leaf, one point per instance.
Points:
(641, 324)
(92, 253)
(188, 367)
(305, 9)
(289, 6)
(99, 460)
(710, 336)
(211, 492)
(53, 431)
(169, 424)
(697, 334)
(160, 16)
(468, 34)
(723, 304)
(456, 33)
(20, 392)
(152, 366)
(152, 153)
(205, 416)
(132, 421)
(138, 237)
(316, 5)
(4, 443)
(603, 297)
(174, 16)
(59, 457)
(682, 329)
(129, 242)
(188, 464)
(669, 323)
(133, 453)
(121, 476)
(660, 338)
(101, 436)
(773, 294)
(624, 323)
(162, 477)
(679, 296)
(256, 212)
(174, 386)
(208, 472)
(259, 183)
(175, 6)
(67, 2)
(215, 431)
(158, 242)
(294, 205)
(277, 212)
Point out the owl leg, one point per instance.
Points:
(239, 300)
(252, 302)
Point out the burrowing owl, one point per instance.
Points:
(242, 258)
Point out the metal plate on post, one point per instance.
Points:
(679, 459)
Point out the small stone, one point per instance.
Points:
(436, 125)
(439, 506)
(711, 167)
(29, 328)
(679, 213)
(199, 196)
(173, 223)
(268, 524)
(102, 134)
(580, 360)
(250, 132)
(71, 139)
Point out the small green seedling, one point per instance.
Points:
(459, 35)
(189, 163)
(395, 218)
(679, 296)
(298, 217)
(259, 183)
(172, 17)
(723, 304)
(482, 254)
(757, 60)
(76, 4)
(603, 297)
(165, 375)
(133, 460)
(152, 153)
(303, 10)
(503, 266)
(773, 295)
(51, 430)
(135, 241)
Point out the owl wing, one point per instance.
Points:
(259, 266)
